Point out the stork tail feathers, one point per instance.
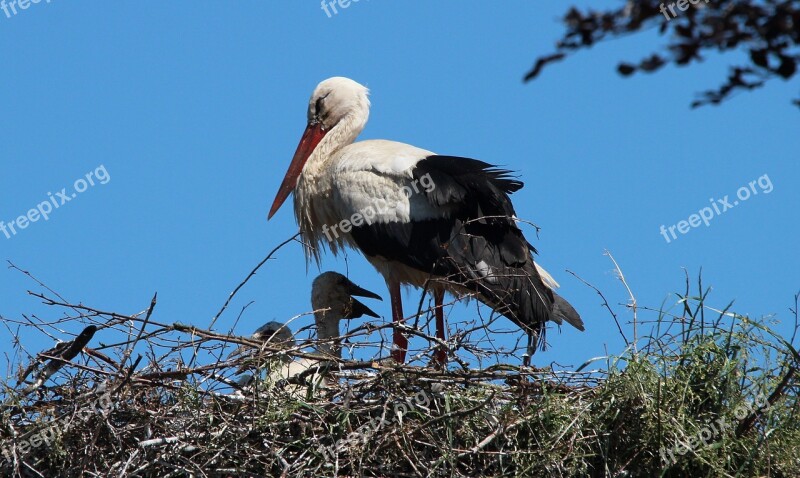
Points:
(564, 310)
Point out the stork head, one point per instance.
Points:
(334, 100)
(332, 297)
(274, 331)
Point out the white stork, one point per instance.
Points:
(333, 298)
(418, 217)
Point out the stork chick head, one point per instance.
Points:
(332, 300)
(332, 297)
(276, 332)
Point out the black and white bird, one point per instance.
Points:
(333, 298)
(272, 333)
(420, 218)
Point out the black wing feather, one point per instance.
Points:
(478, 236)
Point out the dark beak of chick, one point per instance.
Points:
(357, 308)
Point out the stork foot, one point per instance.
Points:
(526, 358)
(440, 358)
(399, 355)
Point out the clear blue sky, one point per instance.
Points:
(194, 110)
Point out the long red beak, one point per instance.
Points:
(311, 138)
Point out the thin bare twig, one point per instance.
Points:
(251, 274)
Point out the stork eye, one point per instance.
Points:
(318, 107)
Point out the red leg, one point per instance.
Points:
(400, 342)
(438, 298)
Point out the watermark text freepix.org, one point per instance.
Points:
(367, 215)
(47, 435)
(10, 7)
(718, 206)
(713, 431)
(329, 6)
(366, 431)
(55, 201)
(683, 5)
